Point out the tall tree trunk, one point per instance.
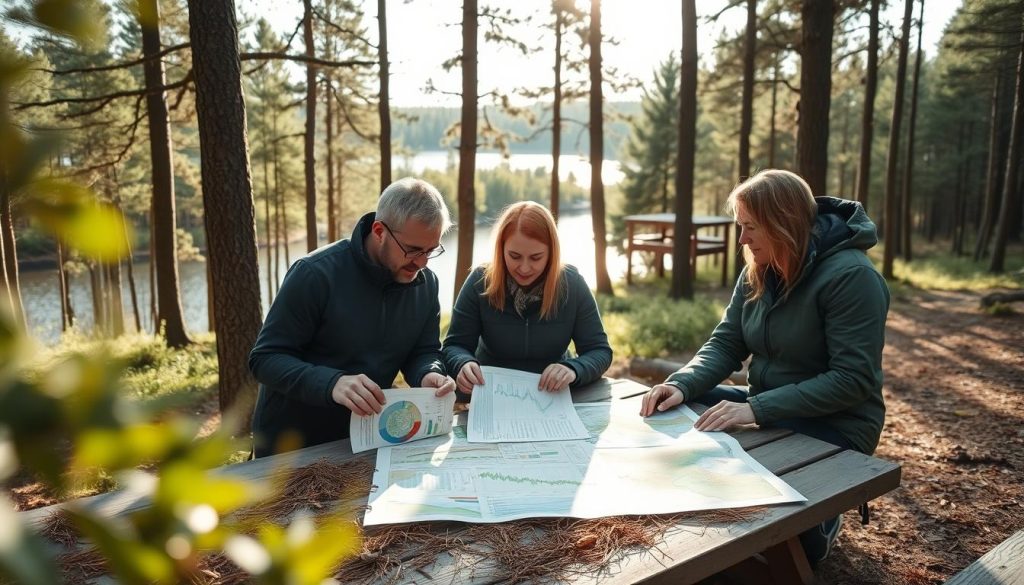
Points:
(268, 235)
(845, 143)
(10, 259)
(867, 123)
(116, 301)
(959, 223)
(556, 110)
(682, 283)
(747, 107)
(130, 266)
(67, 311)
(747, 112)
(169, 314)
(908, 174)
(597, 217)
(1009, 209)
(310, 136)
(815, 92)
(99, 317)
(771, 130)
(332, 212)
(339, 178)
(467, 145)
(154, 311)
(892, 206)
(227, 199)
(384, 105)
(991, 203)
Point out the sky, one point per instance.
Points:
(423, 33)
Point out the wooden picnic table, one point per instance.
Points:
(652, 232)
(832, 480)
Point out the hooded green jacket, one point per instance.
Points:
(816, 353)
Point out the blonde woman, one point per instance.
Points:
(523, 309)
(809, 310)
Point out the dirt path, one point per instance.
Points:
(954, 393)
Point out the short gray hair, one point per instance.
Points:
(411, 198)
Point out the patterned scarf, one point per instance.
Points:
(521, 298)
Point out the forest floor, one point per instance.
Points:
(954, 391)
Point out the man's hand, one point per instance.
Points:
(444, 384)
(359, 394)
(469, 376)
(724, 416)
(660, 398)
(555, 377)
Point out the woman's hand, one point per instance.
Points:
(444, 384)
(660, 398)
(724, 416)
(555, 377)
(469, 376)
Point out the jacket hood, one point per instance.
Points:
(841, 224)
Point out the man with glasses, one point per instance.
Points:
(350, 316)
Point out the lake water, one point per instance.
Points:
(577, 166)
(42, 300)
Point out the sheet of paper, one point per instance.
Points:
(510, 407)
(408, 415)
(449, 478)
(618, 424)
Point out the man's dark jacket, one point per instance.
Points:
(338, 313)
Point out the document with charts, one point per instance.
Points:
(510, 407)
(408, 415)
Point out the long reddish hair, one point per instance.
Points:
(534, 221)
(782, 206)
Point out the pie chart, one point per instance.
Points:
(400, 421)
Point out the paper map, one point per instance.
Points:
(660, 464)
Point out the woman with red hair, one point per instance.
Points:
(523, 309)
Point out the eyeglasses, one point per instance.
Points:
(414, 254)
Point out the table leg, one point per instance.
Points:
(787, 563)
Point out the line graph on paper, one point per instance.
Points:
(542, 401)
(511, 407)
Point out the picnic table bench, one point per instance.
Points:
(1003, 565)
(832, 480)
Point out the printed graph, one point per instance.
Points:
(541, 400)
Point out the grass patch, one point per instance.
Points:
(150, 369)
(934, 268)
(642, 321)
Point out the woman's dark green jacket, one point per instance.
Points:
(816, 353)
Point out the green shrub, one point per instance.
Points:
(643, 322)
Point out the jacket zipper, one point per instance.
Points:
(526, 340)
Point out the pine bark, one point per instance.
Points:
(169, 314)
(682, 283)
(467, 145)
(867, 123)
(384, 105)
(597, 210)
(815, 92)
(310, 135)
(228, 206)
(892, 205)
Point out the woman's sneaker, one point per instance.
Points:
(818, 541)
